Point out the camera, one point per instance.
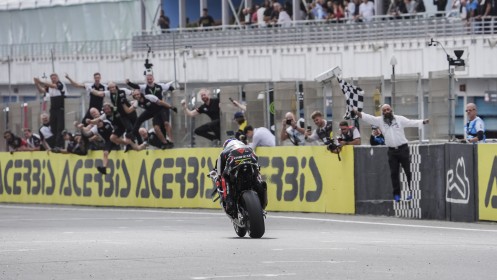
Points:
(148, 65)
(302, 124)
(289, 122)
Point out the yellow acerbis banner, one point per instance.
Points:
(307, 179)
(487, 182)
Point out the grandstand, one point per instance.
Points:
(266, 67)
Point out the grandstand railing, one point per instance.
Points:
(315, 32)
(298, 33)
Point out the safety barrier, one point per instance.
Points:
(455, 182)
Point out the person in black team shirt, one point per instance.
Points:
(33, 140)
(57, 92)
(212, 129)
(96, 100)
(205, 20)
(14, 143)
(151, 87)
(46, 135)
(123, 121)
(152, 106)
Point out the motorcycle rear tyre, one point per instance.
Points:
(239, 230)
(255, 219)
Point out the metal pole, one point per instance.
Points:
(451, 106)
(52, 57)
(174, 57)
(393, 86)
(10, 82)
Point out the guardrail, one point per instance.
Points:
(314, 32)
(300, 32)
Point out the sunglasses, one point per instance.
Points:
(469, 110)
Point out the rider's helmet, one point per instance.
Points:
(226, 143)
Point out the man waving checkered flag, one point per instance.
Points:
(354, 98)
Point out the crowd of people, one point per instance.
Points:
(116, 125)
(269, 13)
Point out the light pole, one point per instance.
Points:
(393, 62)
(457, 62)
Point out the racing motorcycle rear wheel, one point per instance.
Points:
(240, 231)
(254, 214)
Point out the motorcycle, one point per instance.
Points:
(242, 193)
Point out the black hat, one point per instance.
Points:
(239, 115)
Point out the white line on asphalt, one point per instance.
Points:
(309, 262)
(243, 275)
(284, 249)
(222, 214)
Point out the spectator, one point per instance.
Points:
(366, 11)
(350, 135)
(471, 9)
(318, 10)
(46, 135)
(261, 137)
(57, 92)
(441, 5)
(205, 20)
(377, 138)
(420, 6)
(395, 139)
(292, 130)
(268, 12)
(33, 140)
(283, 19)
(161, 119)
(152, 107)
(123, 120)
(323, 131)
(338, 13)
(475, 127)
(96, 100)
(163, 21)
(260, 14)
(151, 141)
(105, 132)
(349, 10)
(212, 129)
(75, 144)
(242, 123)
(14, 143)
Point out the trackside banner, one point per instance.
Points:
(308, 179)
(487, 181)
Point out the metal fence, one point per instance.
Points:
(301, 32)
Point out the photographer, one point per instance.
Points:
(350, 135)
(323, 132)
(293, 130)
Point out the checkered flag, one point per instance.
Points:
(354, 98)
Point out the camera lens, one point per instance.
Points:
(288, 122)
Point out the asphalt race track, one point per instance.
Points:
(69, 242)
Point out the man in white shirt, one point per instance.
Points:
(396, 141)
(261, 137)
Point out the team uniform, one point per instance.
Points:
(96, 101)
(47, 136)
(123, 121)
(57, 111)
(34, 141)
(212, 129)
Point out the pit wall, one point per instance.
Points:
(455, 182)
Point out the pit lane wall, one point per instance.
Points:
(303, 179)
(455, 182)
